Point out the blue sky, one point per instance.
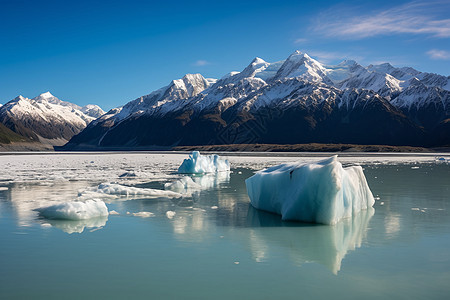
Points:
(111, 52)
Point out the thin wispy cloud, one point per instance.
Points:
(439, 54)
(300, 41)
(201, 63)
(411, 18)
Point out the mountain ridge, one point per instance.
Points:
(297, 100)
(46, 119)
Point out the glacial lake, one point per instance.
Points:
(211, 244)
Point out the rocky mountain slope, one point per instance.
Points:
(47, 119)
(298, 100)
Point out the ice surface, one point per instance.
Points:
(143, 214)
(199, 164)
(170, 214)
(109, 189)
(322, 192)
(75, 210)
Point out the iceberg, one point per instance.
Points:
(75, 210)
(199, 164)
(322, 192)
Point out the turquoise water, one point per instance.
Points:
(218, 247)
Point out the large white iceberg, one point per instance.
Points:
(322, 192)
(199, 164)
(75, 210)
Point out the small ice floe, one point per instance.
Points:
(321, 192)
(127, 174)
(377, 198)
(441, 160)
(143, 214)
(130, 192)
(415, 168)
(236, 262)
(3, 188)
(381, 203)
(170, 214)
(415, 208)
(113, 212)
(214, 207)
(200, 164)
(75, 210)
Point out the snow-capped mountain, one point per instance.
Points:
(46, 118)
(296, 100)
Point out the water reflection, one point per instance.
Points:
(264, 234)
(25, 198)
(195, 183)
(70, 226)
(304, 243)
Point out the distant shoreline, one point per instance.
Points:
(312, 147)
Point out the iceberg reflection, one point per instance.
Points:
(305, 243)
(195, 183)
(71, 226)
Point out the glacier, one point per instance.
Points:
(199, 164)
(75, 210)
(319, 192)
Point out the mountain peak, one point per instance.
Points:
(302, 65)
(46, 95)
(347, 62)
(19, 98)
(258, 60)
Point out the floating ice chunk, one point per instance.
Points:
(3, 188)
(128, 191)
(113, 212)
(321, 192)
(127, 174)
(182, 185)
(144, 214)
(198, 164)
(75, 210)
(170, 214)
